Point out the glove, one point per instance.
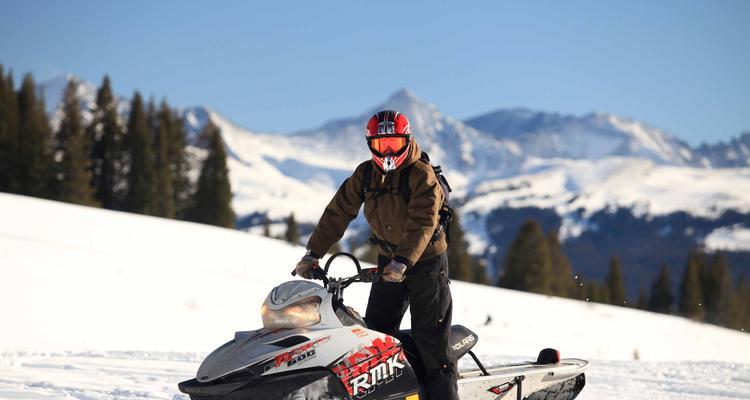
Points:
(305, 266)
(394, 271)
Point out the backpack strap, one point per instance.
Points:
(366, 180)
(403, 183)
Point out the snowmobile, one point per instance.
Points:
(313, 347)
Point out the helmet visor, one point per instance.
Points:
(388, 145)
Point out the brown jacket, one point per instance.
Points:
(408, 226)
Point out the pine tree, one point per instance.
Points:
(178, 158)
(292, 230)
(528, 265)
(35, 141)
(479, 272)
(212, 201)
(719, 294)
(642, 302)
(459, 259)
(691, 291)
(661, 293)
(598, 292)
(562, 273)
(73, 170)
(106, 134)
(164, 187)
(141, 191)
(9, 135)
(615, 283)
(743, 295)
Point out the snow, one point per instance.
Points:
(99, 304)
(139, 375)
(733, 238)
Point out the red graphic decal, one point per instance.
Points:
(364, 370)
(289, 356)
(501, 389)
(359, 332)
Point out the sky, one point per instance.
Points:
(281, 66)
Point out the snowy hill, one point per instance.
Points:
(82, 279)
(109, 305)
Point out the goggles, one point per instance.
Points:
(388, 145)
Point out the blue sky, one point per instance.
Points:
(282, 65)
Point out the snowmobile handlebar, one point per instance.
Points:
(351, 257)
(366, 275)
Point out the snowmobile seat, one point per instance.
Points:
(461, 340)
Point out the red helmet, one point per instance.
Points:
(389, 138)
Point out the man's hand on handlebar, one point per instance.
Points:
(308, 267)
(394, 271)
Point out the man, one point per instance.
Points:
(412, 256)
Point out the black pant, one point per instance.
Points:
(426, 290)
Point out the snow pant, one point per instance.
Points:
(426, 290)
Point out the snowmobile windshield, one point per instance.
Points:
(296, 315)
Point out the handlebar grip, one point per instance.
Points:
(369, 275)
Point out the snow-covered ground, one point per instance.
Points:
(146, 375)
(98, 304)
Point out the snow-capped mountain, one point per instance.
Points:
(735, 153)
(467, 155)
(573, 169)
(54, 89)
(592, 136)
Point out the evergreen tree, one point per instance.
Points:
(459, 259)
(160, 127)
(479, 271)
(563, 283)
(141, 191)
(743, 294)
(212, 201)
(691, 291)
(719, 294)
(597, 292)
(614, 283)
(661, 293)
(292, 230)
(34, 162)
(642, 302)
(9, 135)
(105, 135)
(178, 159)
(528, 265)
(73, 172)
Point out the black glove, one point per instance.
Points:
(394, 271)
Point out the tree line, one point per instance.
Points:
(140, 165)
(536, 263)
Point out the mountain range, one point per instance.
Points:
(604, 182)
